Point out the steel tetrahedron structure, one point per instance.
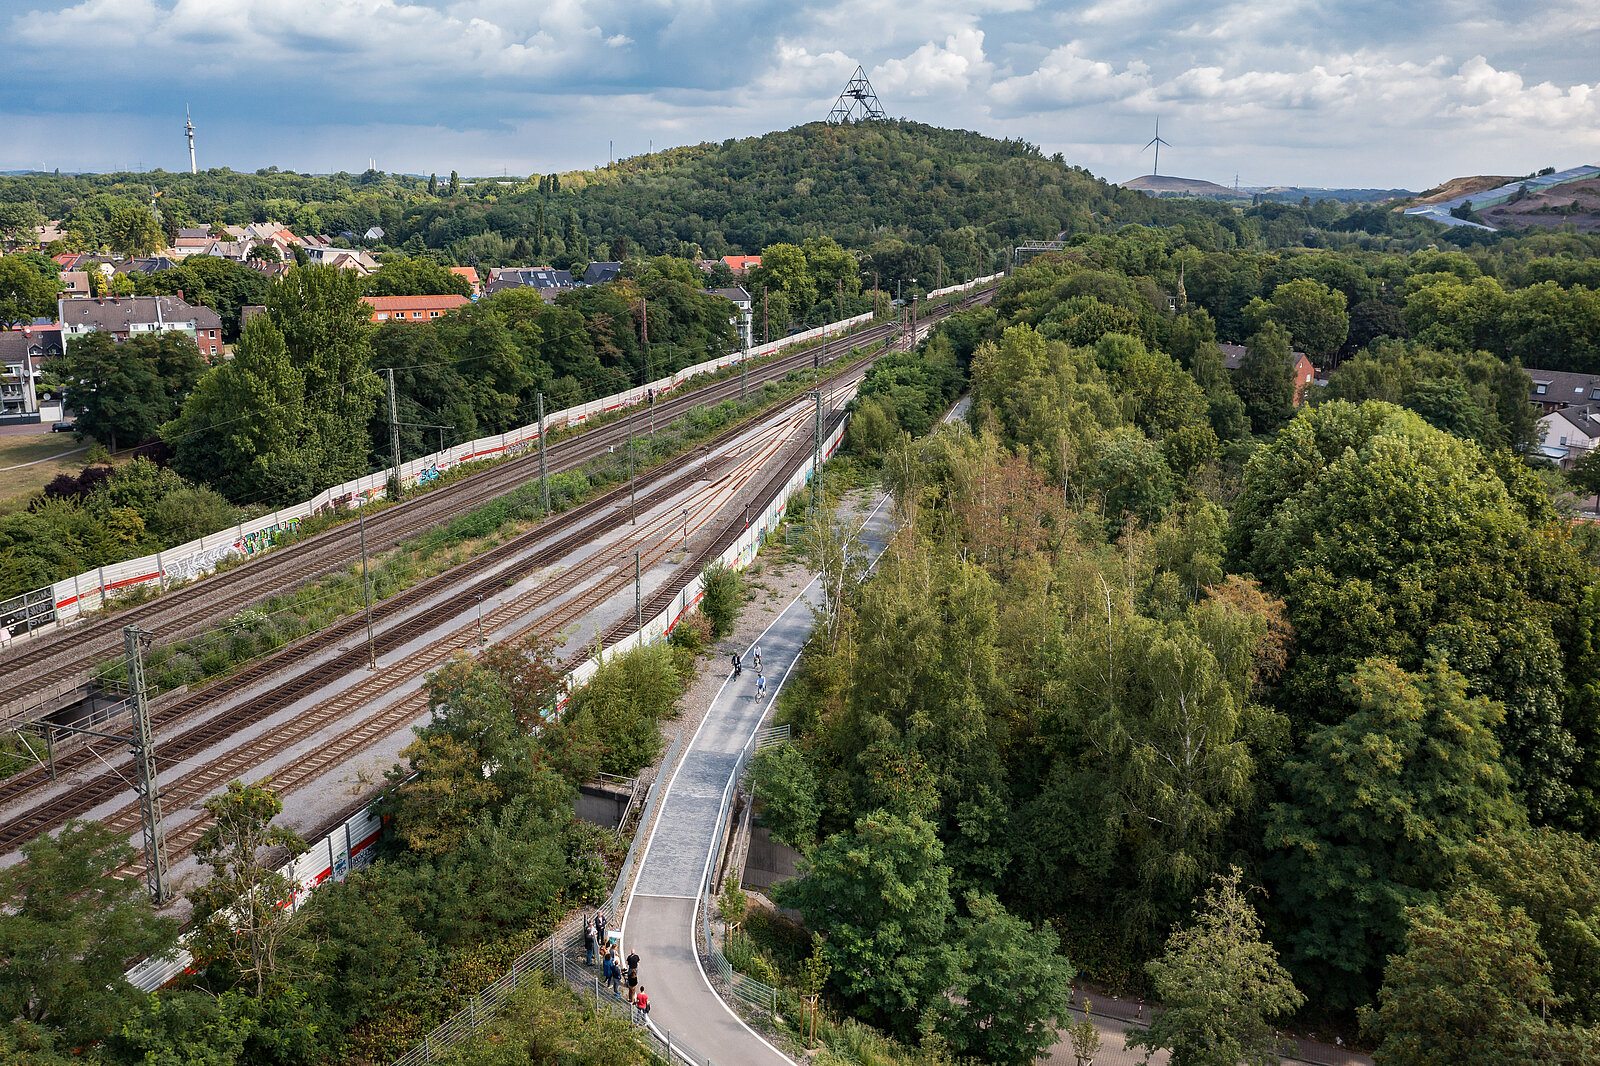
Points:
(858, 102)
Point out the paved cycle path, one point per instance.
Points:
(659, 922)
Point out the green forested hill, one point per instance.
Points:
(861, 185)
(909, 194)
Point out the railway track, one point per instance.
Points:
(484, 573)
(407, 620)
(61, 656)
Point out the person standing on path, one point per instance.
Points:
(641, 1002)
(633, 973)
(589, 941)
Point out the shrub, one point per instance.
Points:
(693, 632)
(724, 596)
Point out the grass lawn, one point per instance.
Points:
(18, 486)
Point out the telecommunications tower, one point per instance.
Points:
(189, 126)
(858, 102)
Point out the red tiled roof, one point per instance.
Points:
(741, 262)
(415, 303)
(470, 273)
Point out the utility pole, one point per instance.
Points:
(633, 481)
(481, 641)
(638, 602)
(875, 291)
(544, 471)
(744, 374)
(366, 586)
(144, 758)
(766, 326)
(841, 299)
(394, 434)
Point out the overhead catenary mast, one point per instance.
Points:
(189, 127)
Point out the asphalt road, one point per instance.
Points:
(659, 922)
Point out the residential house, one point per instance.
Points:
(600, 273)
(1305, 373)
(1567, 434)
(23, 353)
(471, 274)
(75, 284)
(191, 241)
(321, 251)
(374, 233)
(741, 264)
(412, 308)
(127, 316)
(1555, 389)
(744, 316)
(544, 280)
(153, 264)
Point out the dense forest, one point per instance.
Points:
(915, 202)
(1145, 623)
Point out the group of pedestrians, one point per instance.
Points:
(615, 971)
(761, 680)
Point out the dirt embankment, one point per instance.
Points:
(1463, 187)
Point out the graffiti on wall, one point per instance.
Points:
(262, 539)
(199, 564)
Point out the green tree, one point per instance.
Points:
(134, 231)
(1465, 573)
(1468, 987)
(243, 429)
(418, 276)
(244, 915)
(782, 779)
(1013, 986)
(880, 895)
(70, 930)
(19, 219)
(1554, 878)
(325, 326)
(621, 706)
(1380, 808)
(119, 396)
(1315, 316)
(1265, 379)
(1220, 985)
(25, 292)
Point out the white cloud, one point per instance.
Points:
(934, 69)
(1292, 90)
(1066, 78)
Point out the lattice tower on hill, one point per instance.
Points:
(858, 102)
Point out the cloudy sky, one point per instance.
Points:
(1310, 92)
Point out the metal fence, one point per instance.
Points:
(553, 955)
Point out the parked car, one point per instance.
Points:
(62, 427)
